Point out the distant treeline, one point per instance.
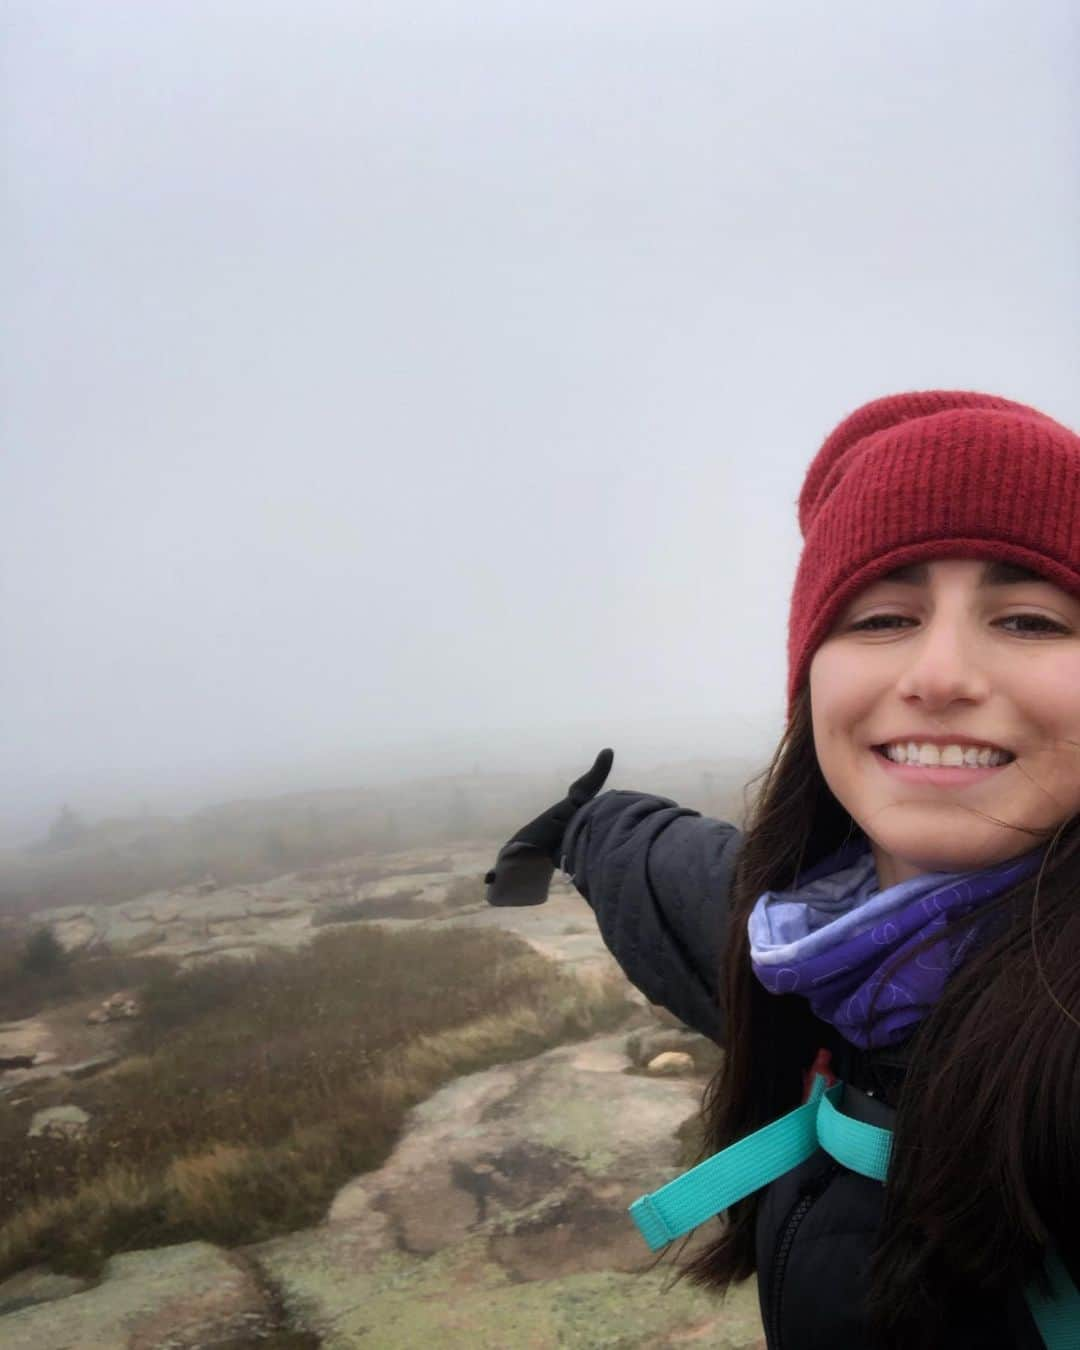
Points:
(78, 862)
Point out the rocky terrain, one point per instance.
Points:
(498, 1221)
(207, 920)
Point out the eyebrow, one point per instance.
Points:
(994, 574)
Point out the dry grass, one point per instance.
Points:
(259, 1089)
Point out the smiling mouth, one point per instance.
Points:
(916, 770)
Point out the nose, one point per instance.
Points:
(943, 668)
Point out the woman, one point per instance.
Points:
(902, 914)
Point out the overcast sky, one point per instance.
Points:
(437, 379)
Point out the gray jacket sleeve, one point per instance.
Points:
(658, 877)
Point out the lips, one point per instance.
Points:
(954, 755)
(937, 776)
(905, 738)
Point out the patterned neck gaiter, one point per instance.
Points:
(831, 936)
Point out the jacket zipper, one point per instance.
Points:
(783, 1250)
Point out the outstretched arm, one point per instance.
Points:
(658, 876)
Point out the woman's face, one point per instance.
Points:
(959, 653)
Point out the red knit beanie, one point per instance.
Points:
(915, 477)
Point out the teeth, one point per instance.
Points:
(947, 756)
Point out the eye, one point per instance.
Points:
(1030, 624)
(877, 622)
(1040, 623)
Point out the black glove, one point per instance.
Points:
(526, 863)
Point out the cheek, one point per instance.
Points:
(843, 698)
(1049, 702)
(838, 696)
(1056, 769)
(1061, 695)
(830, 711)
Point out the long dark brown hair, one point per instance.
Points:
(986, 1148)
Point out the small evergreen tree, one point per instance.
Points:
(43, 954)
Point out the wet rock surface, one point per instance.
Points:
(189, 1297)
(57, 1042)
(501, 1219)
(37, 1285)
(65, 1121)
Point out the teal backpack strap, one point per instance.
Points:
(1057, 1317)
(749, 1164)
(729, 1175)
(861, 1147)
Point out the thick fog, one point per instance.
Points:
(394, 387)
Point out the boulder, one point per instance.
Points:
(76, 933)
(272, 907)
(112, 1009)
(64, 912)
(667, 1018)
(202, 955)
(86, 1068)
(182, 1297)
(37, 1285)
(644, 1044)
(123, 933)
(673, 1062)
(65, 1122)
(217, 907)
(165, 909)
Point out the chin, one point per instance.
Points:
(952, 855)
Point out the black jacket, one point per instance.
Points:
(658, 877)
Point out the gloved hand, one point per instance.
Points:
(526, 863)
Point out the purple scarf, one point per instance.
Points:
(830, 937)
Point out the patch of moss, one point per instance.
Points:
(579, 1131)
(458, 1298)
